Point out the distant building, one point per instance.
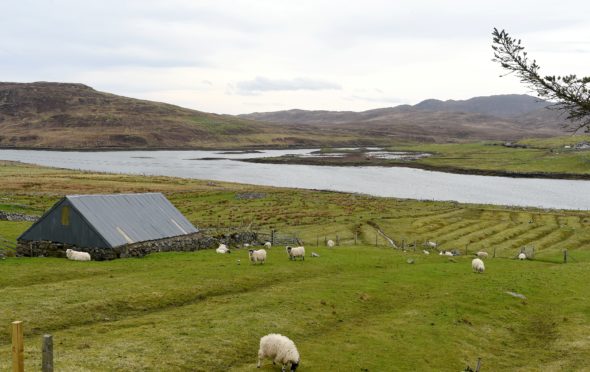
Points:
(109, 226)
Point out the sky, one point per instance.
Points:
(236, 57)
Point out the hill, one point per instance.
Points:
(503, 117)
(75, 116)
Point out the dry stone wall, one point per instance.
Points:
(184, 243)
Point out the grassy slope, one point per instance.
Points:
(355, 307)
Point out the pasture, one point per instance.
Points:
(356, 307)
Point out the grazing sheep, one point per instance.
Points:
(330, 244)
(280, 349)
(257, 256)
(431, 244)
(482, 254)
(426, 252)
(267, 245)
(246, 245)
(448, 253)
(477, 265)
(313, 254)
(295, 252)
(77, 256)
(222, 249)
(522, 256)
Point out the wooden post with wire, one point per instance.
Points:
(47, 349)
(18, 348)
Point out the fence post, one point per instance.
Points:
(355, 234)
(565, 256)
(466, 249)
(18, 348)
(317, 241)
(494, 252)
(403, 244)
(272, 237)
(376, 236)
(47, 362)
(337, 240)
(478, 364)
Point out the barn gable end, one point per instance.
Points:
(63, 223)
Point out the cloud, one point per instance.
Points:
(262, 84)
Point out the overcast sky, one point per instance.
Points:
(266, 55)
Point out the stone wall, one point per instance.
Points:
(12, 216)
(184, 243)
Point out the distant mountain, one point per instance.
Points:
(75, 116)
(503, 106)
(502, 117)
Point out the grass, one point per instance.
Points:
(353, 308)
(542, 158)
(357, 307)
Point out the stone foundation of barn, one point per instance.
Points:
(183, 243)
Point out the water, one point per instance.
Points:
(378, 181)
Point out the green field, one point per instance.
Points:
(355, 308)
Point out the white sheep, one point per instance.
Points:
(477, 265)
(246, 245)
(431, 244)
(222, 249)
(295, 252)
(426, 252)
(445, 253)
(267, 245)
(482, 254)
(77, 256)
(330, 244)
(280, 349)
(522, 256)
(257, 256)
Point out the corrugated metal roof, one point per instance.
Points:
(129, 218)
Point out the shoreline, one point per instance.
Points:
(427, 167)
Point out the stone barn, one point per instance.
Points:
(111, 226)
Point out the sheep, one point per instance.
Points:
(449, 253)
(295, 252)
(522, 256)
(477, 265)
(425, 252)
(77, 256)
(246, 245)
(431, 244)
(313, 254)
(482, 254)
(222, 249)
(267, 245)
(330, 244)
(257, 256)
(280, 349)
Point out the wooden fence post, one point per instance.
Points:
(494, 252)
(18, 348)
(355, 234)
(272, 237)
(337, 240)
(376, 236)
(478, 365)
(47, 362)
(565, 256)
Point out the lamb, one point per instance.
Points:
(222, 249)
(445, 253)
(77, 256)
(482, 254)
(280, 349)
(267, 245)
(522, 256)
(330, 244)
(295, 252)
(425, 252)
(477, 265)
(257, 256)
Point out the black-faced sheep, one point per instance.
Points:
(257, 256)
(477, 265)
(280, 349)
(295, 252)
